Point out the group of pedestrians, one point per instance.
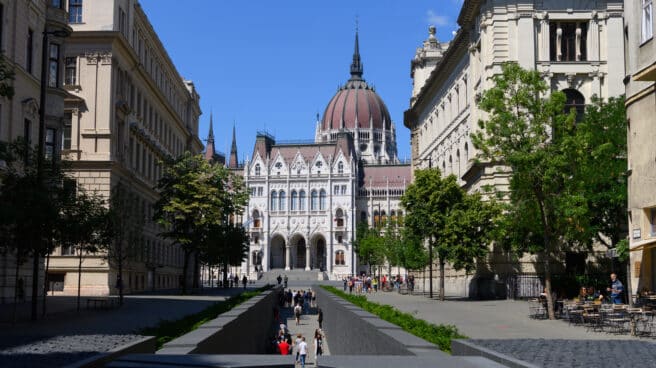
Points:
(299, 302)
(367, 284)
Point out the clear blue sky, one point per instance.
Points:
(275, 64)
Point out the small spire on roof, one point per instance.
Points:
(356, 65)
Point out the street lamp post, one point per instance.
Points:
(39, 159)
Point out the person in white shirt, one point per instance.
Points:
(302, 350)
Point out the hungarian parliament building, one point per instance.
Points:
(306, 198)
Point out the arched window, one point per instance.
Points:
(322, 200)
(363, 216)
(314, 200)
(340, 167)
(399, 215)
(576, 101)
(256, 219)
(301, 200)
(274, 200)
(393, 217)
(451, 163)
(383, 217)
(376, 218)
(339, 258)
(293, 206)
(283, 199)
(257, 170)
(339, 218)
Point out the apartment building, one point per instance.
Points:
(27, 29)
(128, 110)
(641, 109)
(577, 46)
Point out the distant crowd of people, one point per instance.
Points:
(364, 283)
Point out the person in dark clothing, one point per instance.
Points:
(244, 281)
(279, 278)
(319, 317)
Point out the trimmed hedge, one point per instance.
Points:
(168, 330)
(440, 335)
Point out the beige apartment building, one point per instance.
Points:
(577, 46)
(128, 110)
(24, 26)
(641, 109)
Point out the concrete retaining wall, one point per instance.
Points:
(245, 329)
(147, 345)
(353, 331)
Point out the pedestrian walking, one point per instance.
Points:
(279, 278)
(244, 281)
(616, 289)
(286, 279)
(302, 350)
(319, 316)
(283, 347)
(318, 345)
(297, 313)
(297, 344)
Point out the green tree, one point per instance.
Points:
(528, 129)
(30, 207)
(196, 195)
(225, 245)
(429, 201)
(83, 219)
(123, 234)
(598, 146)
(369, 245)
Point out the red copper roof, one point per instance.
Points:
(356, 105)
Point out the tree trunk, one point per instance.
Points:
(121, 283)
(442, 263)
(45, 285)
(16, 274)
(430, 270)
(185, 268)
(547, 238)
(79, 279)
(226, 282)
(194, 282)
(35, 284)
(547, 287)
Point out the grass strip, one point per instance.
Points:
(440, 335)
(168, 330)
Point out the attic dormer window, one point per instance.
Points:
(318, 164)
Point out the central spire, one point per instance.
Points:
(356, 65)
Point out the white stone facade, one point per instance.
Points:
(129, 109)
(641, 109)
(576, 45)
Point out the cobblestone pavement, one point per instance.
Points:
(576, 353)
(65, 337)
(308, 324)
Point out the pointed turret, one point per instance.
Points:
(210, 152)
(233, 164)
(356, 65)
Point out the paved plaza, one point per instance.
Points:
(64, 336)
(504, 327)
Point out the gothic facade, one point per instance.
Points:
(307, 197)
